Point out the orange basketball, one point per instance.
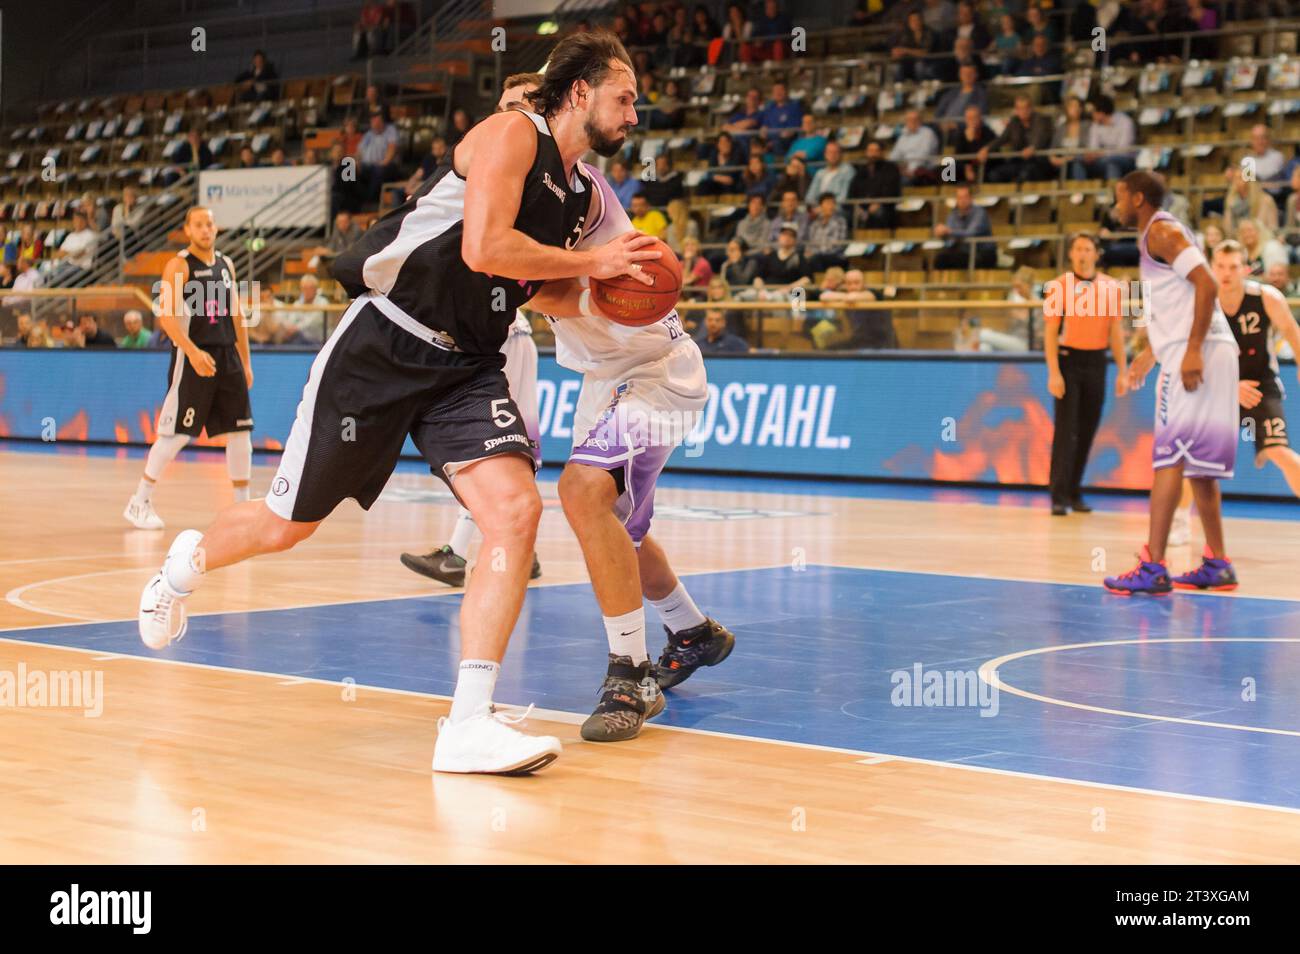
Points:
(631, 302)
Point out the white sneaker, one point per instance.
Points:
(485, 743)
(1180, 531)
(140, 513)
(162, 616)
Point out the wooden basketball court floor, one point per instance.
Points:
(296, 720)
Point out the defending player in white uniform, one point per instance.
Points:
(1196, 395)
(642, 391)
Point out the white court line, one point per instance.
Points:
(573, 718)
(14, 596)
(989, 674)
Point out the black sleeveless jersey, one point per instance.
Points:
(412, 256)
(1251, 327)
(207, 294)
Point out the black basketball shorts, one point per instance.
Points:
(219, 403)
(1266, 421)
(374, 383)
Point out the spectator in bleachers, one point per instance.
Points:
(377, 155)
(810, 143)
(1262, 250)
(782, 115)
(1111, 138)
(784, 265)
(624, 185)
(1081, 21)
(749, 117)
(646, 219)
(666, 184)
(1037, 24)
(969, 26)
(247, 160)
(772, 32)
(680, 226)
(1071, 132)
(22, 331)
(754, 228)
(738, 268)
(795, 177)
(305, 327)
(1016, 337)
(790, 213)
(852, 328)
(1007, 45)
(963, 54)
(1266, 159)
(968, 139)
(308, 157)
(26, 245)
(346, 233)
(368, 33)
(969, 91)
(716, 338)
(1176, 204)
(1041, 61)
(1211, 236)
(39, 336)
(940, 16)
(736, 35)
(835, 177)
(1291, 220)
(703, 31)
(1118, 243)
(193, 154)
(258, 83)
(876, 178)
(345, 186)
(722, 180)
(98, 214)
(1026, 133)
(916, 150)
(461, 123)
(28, 277)
(128, 216)
(965, 222)
(828, 235)
(351, 137)
(1279, 276)
(93, 336)
(438, 154)
(696, 270)
(6, 275)
(374, 100)
(909, 50)
(757, 179)
(76, 254)
(137, 335)
(1246, 199)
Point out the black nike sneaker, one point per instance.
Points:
(447, 566)
(444, 565)
(704, 645)
(628, 697)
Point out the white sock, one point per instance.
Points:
(474, 684)
(241, 493)
(463, 535)
(627, 635)
(185, 570)
(678, 610)
(144, 491)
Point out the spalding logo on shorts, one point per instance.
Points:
(280, 487)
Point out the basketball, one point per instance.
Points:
(629, 301)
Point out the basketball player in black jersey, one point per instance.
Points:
(210, 372)
(1254, 310)
(436, 284)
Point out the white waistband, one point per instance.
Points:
(439, 339)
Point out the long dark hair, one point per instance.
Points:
(579, 56)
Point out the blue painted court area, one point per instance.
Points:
(818, 657)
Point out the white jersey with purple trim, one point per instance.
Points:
(1170, 303)
(606, 347)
